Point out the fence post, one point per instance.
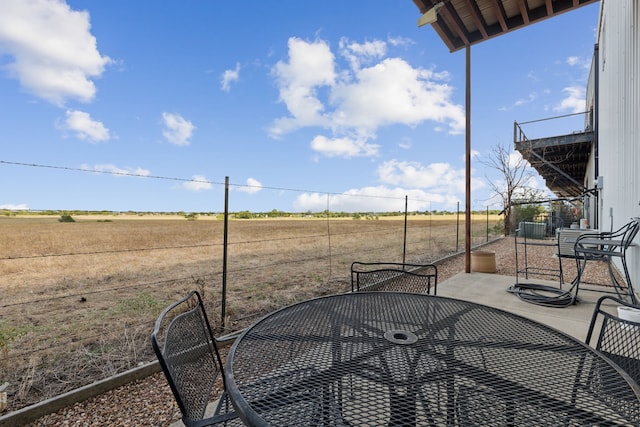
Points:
(404, 240)
(224, 252)
(487, 224)
(457, 226)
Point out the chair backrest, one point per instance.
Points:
(397, 277)
(629, 231)
(623, 237)
(188, 354)
(616, 337)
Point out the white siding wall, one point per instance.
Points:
(619, 117)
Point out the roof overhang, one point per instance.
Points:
(463, 23)
(560, 160)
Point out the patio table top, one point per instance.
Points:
(385, 358)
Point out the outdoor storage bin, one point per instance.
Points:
(483, 261)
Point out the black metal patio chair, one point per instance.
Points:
(618, 340)
(615, 337)
(397, 277)
(188, 354)
(603, 247)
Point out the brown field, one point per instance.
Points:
(79, 299)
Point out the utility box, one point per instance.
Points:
(532, 230)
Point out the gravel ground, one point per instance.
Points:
(149, 402)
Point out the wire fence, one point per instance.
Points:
(80, 298)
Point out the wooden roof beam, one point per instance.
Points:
(478, 18)
(420, 4)
(549, 7)
(524, 11)
(455, 22)
(501, 15)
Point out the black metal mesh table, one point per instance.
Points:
(384, 358)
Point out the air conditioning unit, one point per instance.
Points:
(567, 238)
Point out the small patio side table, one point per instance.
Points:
(385, 358)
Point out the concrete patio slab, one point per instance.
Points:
(491, 290)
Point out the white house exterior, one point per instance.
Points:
(614, 89)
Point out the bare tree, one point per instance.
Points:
(514, 185)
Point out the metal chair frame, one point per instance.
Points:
(389, 276)
(525, 242)
(603, 247)
(188, 354)
(617, 338)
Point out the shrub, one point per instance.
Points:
(244, 215)
(8, 333)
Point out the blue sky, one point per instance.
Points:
(147, 106)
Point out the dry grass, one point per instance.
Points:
(79, 299)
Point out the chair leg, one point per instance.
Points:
(579, 260)
(580, 266)
(632, 294)
(614, 281)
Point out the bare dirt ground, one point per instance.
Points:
(149, 402)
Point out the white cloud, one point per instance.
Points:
(198, 183)
(573, 60)
(310, 66)
(375, 199)
(116, 170)
(85, 127)
(532, 97)
(373, 91)
(437, 186)
(230, 76)
(516, 161)
(574, 102)
(439, 176)
(522, 101)
(474, 155)
(358, 53)
(55, 56)
(400, 41)
(343, 147)
(393, 92)
(12, 207)
(177, 130)
(405, 144)
(252, 186)
(576, 61)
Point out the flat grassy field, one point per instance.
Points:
(79, 299)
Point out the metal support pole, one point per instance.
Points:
(467, 241)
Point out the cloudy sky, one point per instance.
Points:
(148, 106)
